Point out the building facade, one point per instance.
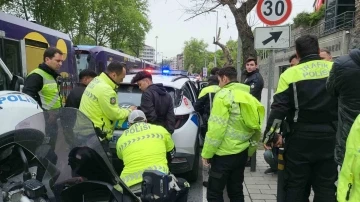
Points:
(180, 61)
(148, 54)
(173, 63)
(337, 34)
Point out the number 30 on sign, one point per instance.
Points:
(273, 12)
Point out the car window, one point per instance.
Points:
(187, 92)
(131, 95)
(194, 88)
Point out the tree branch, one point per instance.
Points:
(206, 11)
(229, 60)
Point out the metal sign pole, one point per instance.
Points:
(270, 82)
(238, 59)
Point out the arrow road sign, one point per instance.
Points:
(277, 37)
(274, 35)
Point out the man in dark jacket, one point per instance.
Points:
(253, 78)
(344, 83)
(74, 98)
(204, 103)
(156, 102)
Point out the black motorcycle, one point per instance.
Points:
(56, 156)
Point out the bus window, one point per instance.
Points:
(82, 62)
(12, 57)
(34, 53)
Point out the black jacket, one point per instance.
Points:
(158, 107)
(34, 83)
(344, 83)
(203, 106)
(255, 81)
(74, 98)
(304, 102)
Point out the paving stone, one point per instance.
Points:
(254, 191)
(258, 186)
(268, 191)
(262, 196)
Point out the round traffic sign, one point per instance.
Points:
(273, 12)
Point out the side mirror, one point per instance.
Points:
(17, 83)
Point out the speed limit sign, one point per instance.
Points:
(273, 12)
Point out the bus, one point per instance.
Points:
(98, 58)
(22, 45)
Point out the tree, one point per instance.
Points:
(240, 10)
(225, 49)
(120, 24)
(130, 28)
(195, 54)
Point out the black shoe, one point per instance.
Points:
(205, 183)
(269, 170)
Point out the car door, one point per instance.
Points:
(194, 90)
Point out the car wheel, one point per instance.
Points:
(192, 175)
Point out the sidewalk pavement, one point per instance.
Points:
(260, 187)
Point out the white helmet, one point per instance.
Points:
(15, 107)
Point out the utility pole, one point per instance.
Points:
(238, 59)
(205, 58)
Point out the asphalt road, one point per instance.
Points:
(197, 191)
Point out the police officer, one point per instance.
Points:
(271, 153)
(311, 113)
(100, 103)
(232, 136)
(348, 184)
(205, 100)
(41, 83)
(151, 148)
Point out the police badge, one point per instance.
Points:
(112, 100)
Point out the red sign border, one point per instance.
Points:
(277, 22)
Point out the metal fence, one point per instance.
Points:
(329, 26)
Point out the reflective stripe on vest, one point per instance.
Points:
(127, 179)
(49, 94)
(316, 69)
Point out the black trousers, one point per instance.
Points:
(309, 162)
(227, 171)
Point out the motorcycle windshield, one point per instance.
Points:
(66, 145)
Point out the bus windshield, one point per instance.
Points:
(82, 61)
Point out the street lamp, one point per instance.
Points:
(216, 33)
(156, 50)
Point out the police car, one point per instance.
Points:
(187, 125)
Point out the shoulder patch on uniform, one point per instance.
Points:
(113, 100)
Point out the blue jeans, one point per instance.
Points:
(271, 158)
